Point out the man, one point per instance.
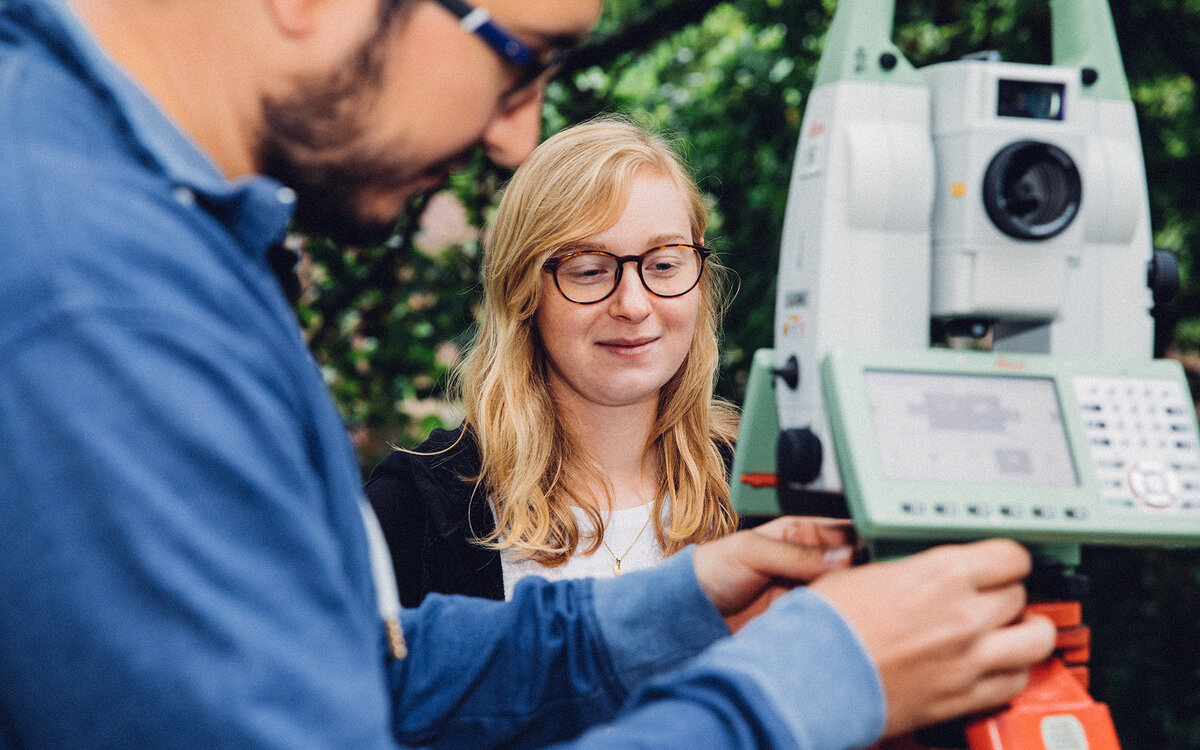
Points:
(183, 561)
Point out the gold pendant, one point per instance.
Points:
(617, 568)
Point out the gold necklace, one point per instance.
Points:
(617, 568)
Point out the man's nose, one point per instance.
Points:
(513, 132)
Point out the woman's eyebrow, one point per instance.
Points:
(581, 246)
(672, 238)
(658, 240)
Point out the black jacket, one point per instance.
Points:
(429, 516)
(430, 511)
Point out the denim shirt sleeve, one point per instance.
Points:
(555, 660)
(638, 660)
(795, 677)
(653, 619)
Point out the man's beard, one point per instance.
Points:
(329, 195)
(313, 143)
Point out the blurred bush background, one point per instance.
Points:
(730, 80)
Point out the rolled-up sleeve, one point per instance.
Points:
(796, 677)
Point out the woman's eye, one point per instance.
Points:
(587, 272)
(662, 264)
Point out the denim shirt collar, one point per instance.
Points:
(255, 209)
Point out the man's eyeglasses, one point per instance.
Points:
(590, 276)
(525, 59)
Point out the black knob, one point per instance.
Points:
(789, 373)
(798, 456)
(1162, 276)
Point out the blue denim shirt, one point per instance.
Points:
(182, 559)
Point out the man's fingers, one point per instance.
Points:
(1016, 646)
(999, 606)
(990, 563)
(1001, 662)
(736, 570)
(796, 562)
(800, 548)
(988, 692)
(809, 530)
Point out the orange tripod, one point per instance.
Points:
(1054, 711)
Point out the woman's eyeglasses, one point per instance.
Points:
(590, 276)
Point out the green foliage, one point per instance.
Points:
(1143, 609)
(732, 87)
(732, 91)
(385, 322)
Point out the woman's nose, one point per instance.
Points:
(631, 300)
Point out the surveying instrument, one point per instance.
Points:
(1004, 204)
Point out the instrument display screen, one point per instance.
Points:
(970, 428)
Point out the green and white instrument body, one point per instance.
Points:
(943, 445)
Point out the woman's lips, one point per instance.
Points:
(628, 346)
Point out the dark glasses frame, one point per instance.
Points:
(513, 51)
(552, 265)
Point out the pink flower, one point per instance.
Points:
(446, 354)
(443, 224)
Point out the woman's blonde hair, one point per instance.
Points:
(575, 185)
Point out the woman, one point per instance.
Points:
(592, 443)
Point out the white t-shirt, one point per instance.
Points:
(620, 530)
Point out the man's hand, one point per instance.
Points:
(944, 628)
(745, 572)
